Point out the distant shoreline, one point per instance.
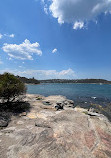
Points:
(66, 83)
(34, 81)
(83, 81)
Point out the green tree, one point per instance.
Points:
(10, 87)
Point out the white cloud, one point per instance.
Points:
(78, 11)
(22, 51)
(12, 35)
(49, 74)
(43, 1)
(78, 25)
(54, 50)
(46, 9)
(1, 36)
(7, 35)
(44, 74)
(10, 58)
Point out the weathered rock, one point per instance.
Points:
(20, 122)
(47, 103)
(42, 123)
(69, 102)
(4, 119)
(95, 114)
(91, 110)
(69, 133)
(39, 98)
(23, 114)
(59, 106)
(3, 123)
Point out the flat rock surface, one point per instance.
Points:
(47, 133)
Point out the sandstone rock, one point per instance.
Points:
(20, 122)
(69, 133)
(59, 106)
(64, 104)
(32, 115)
(23, 114)
(95, 114)
(3, 123)
(4, 119)
(47, 103)
(69, 102)
(42, 123)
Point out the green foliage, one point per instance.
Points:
(10, 87)
(97, 81)
(28, 80)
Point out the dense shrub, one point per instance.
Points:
(10, 87)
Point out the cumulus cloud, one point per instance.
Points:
(12, 35)
(78, 11)
(22, 51)
(78, 25)
(49, 74)
(46, 9)
(7, 35)
(43, 1)
(54, 50)
(44, 74)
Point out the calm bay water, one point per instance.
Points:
(72, 91)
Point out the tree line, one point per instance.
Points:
(76, 81)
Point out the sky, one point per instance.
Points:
(65, 39)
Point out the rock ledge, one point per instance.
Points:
(45, 132)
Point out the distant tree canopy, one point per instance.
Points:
(10, 87)
(28, 80)
(76, 81)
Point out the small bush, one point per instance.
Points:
(10, 87)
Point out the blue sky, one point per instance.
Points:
(56, 39)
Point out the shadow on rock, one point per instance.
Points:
(7, 110)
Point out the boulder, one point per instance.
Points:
(69, 103)
(60, 105)
(4, 119)
(3, 123)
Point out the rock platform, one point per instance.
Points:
(45, 132)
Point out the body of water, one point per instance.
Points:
(72, 91)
